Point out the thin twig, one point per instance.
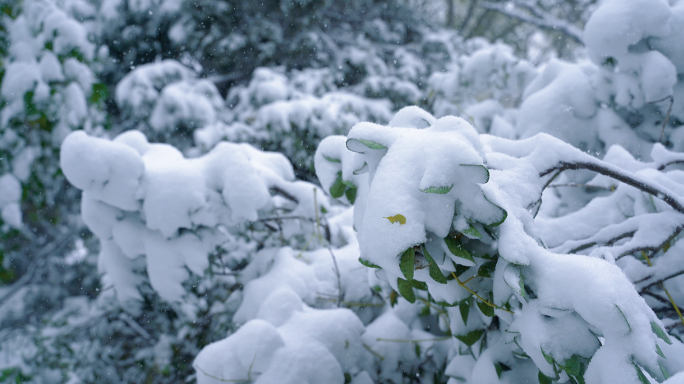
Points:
(588, 186)
(623, 177)
(413, 341)
(379, 356)
(478, 296)
(662, 286)
(339, 280)
(667, 116)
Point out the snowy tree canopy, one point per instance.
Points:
(423, 191)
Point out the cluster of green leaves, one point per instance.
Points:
(343, 188)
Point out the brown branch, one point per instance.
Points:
(627, 179)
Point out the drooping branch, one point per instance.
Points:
(544, 21)
(624, 177)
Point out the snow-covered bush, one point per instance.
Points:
(166, 101)
(447, 217)
(630, 94)
(143, 199)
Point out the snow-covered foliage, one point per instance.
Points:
(447, 216)
(628, 95)
(341, 192)
(47, 91)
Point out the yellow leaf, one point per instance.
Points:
(398, 218)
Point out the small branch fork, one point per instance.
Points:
(478, 296)
(623, 177)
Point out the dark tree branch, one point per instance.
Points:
(547, 22)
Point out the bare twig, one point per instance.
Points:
(667, 116)
(339, 279)
(547, 22)
(662, 286)
(623, 177)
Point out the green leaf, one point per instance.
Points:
(471, 338)
(332, 160)
(464, 309)
(368, 263)
(351, 194)
(359, 145)
(419, 285)
(407, 263)
(514, 279)
(361, 170)
(437, 190)
(338, 187)
(660, 352)
(99, 92)
(659, 332)
(501, 368)
(572, 366)
(543, 379)
(433, 268)
(487, 269)
(406, 290)
(640, 374)
(472, 232)
(486, 310)
(548, 358)
(624, 317)
(457, 249)
(371, 144)
(476, 173)
(664, 371)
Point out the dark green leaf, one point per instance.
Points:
(338, 187)
(433, 268)
(543, 379)
(472, 232)
(351, 194)
(548, 358)
(640, 374)
(471, 337)
(457, 249)
(406, 290)
(660, 352)
(99, 92)
(407, 263)
(659, 332)
(487, 269)
(368, 263)
(464, 308)
(500, 368)
(486, 310)
(572, 366)
(419, 285)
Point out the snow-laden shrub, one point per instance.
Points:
(447, 217)
(630, 94)
(47, 90)
(285, 114)
(482, 86)
(148, 204)
(166, 101)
